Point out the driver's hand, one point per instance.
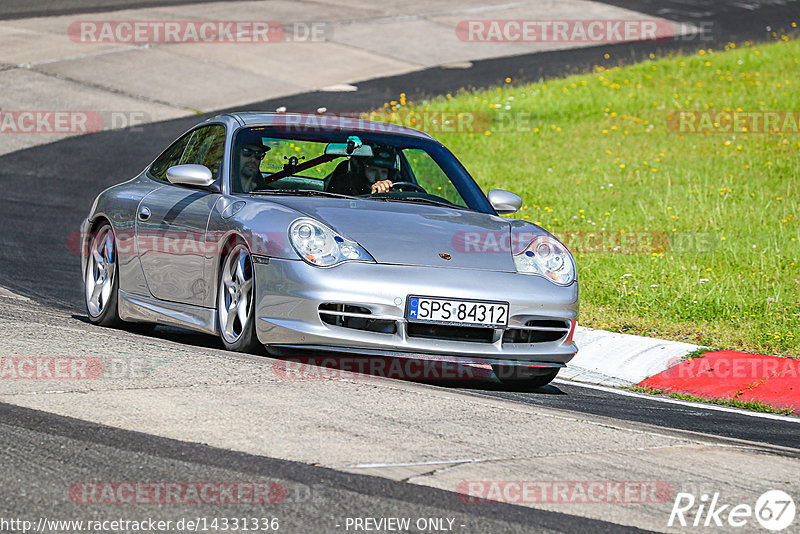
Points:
(382, 186)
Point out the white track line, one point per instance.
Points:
(698, 405)
(412, 464)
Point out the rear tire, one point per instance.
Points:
(235, 296)
(529, 377)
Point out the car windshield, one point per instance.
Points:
(409, 169)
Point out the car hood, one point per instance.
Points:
(415, 234)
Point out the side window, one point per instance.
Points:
(169, 157)
(203, 146)
(206, 147)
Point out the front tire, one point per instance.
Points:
(101, 283)
(235, 307)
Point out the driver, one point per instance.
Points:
(368, 175)
(250, 156)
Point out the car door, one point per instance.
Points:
(171, 221)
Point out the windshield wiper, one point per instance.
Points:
(314, 192)
(421, 200)
(299, 192)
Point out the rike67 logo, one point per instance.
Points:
(774, 510)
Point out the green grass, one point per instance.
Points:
(701, 352)
(649, 391)
(756, 406)
(707, 224)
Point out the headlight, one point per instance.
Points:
(546, 256)
(319, 245)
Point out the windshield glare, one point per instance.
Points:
(262, 163)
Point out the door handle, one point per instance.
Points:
(144, 213)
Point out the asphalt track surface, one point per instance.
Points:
(47, 191)
(58, 451)
(691, 417)
(46, 454)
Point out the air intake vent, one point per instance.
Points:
(355, 317)
(537, 331)
(450, 333)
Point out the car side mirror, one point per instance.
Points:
(192, 176)
(504, 202)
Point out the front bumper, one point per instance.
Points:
(289, 294)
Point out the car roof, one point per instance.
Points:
(345, 122)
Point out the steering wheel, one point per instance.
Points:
(411, 186)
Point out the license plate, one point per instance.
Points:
(457, 312)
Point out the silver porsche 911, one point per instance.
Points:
(293, 232)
